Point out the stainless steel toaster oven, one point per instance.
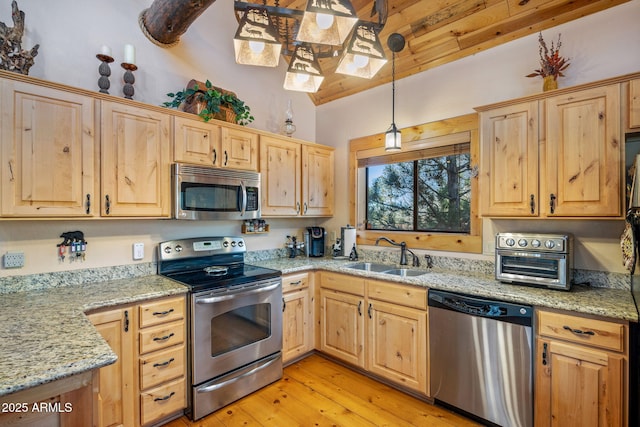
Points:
(535, 259)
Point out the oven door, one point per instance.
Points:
(232, 329)
(538, 268)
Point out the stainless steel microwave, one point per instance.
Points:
(208, 193)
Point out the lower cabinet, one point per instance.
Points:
(148, 382)
(581, 366)
(297, 316)
(375, 325)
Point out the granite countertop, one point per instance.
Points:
(46, 335)
(606, 302)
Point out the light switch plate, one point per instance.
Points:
(138, 251)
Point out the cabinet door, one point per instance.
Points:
(582, 164)
(135, 161)
(296, 323)
(196, 142)
(239, 149)
(117, 387)
(342, 326)
(397, 344)
(317, 181)
(280, 174)
(577, 386)
(634, 104)
(48, 152)
(509, 161)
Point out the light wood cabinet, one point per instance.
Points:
(567, 165)
(135, 161)
(634, 104)
(148, 381)
(297, 323)
(49, 150)
(375, 325)
(116, 393)
(297, 179)
(239, 149)
(196, 142)
(581, 366)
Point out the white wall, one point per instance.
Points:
(598, 46)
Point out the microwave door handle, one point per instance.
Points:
(243, 207)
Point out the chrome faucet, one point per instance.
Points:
(402, 245)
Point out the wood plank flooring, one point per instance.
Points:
(318, 392)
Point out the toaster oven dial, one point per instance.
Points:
(522, 243)
(510, 241)
(535, 243)
(550, 244)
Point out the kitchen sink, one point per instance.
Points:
(405, 272)
(370, 266)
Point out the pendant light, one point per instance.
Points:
(327, 22)
(363, 56)
(393, 138)
(256, 41)
(304, 73)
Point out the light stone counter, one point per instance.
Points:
(45, 335)
(607, 302)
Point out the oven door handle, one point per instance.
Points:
(211, 300)
(265, 364)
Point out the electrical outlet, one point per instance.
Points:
(138, 251)
(14, 260)
(332, 236)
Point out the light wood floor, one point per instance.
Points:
(318, 392)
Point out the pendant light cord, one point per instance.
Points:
(393, 90)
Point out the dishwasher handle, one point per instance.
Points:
(480, 307)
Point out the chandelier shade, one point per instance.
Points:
(304, 73)
(256, 41)
(363, 56)
(327, 22)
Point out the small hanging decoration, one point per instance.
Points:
(12, 56)
(551, 64)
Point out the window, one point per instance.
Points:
(426, 194)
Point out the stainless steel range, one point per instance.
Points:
(235, 319)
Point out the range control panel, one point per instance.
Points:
(198, 247)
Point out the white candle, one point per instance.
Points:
(129, 54)
(105, 50)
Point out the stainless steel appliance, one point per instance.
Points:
(208, 193)
(535, 259)
(481, 357)
(314, 241)
(234, 318)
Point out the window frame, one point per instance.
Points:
(425, 136)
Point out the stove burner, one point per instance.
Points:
(216, 270)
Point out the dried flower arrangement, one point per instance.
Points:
(551, 63)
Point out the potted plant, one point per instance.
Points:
(551, 64)
(210, 102)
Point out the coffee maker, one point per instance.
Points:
(314, 241)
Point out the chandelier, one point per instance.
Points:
(326, 28)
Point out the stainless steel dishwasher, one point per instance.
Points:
(481, 357)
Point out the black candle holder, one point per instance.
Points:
(129, 79)
(105, 72)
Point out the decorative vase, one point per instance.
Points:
(549, 83)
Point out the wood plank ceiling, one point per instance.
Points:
(441, 31)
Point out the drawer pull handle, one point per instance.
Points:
(164, 338)
(296, 283)
(163, 364)
(544, 354)
(578, 331)
(163, 313)
(167, 397)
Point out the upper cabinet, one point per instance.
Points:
(135, 161)
(49, 152)
(567, 165)
(634, 104)
(239, 149)
(196, 142)
(296, 179)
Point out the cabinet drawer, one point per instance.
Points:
(162, 336)
(162, 401)
(295, 282)
(592, 332)
(409, 296)
(342, 282)
(161, 367)
(162, 311)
